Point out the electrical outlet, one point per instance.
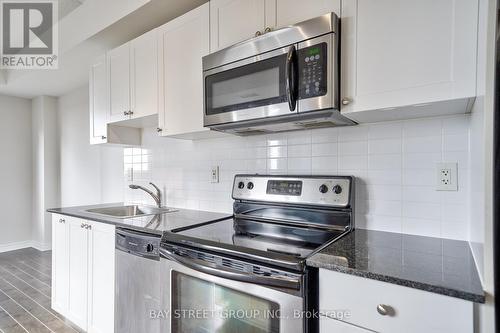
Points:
(214, 174)
(447, 177)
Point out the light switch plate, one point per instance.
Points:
(447, 177)
(214, 174)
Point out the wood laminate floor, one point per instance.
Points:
(25, 290)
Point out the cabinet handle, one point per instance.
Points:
(89, 227)
(125, 113)
(258, 33)
(62, 221)
(267, 30)
(82, 226)
(159, 130)
(130, 113)
(385, 310)
(103, 137)
(346, 101)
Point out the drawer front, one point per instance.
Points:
(328, 325)
(408, 310)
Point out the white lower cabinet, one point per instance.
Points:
(408, 310)
(336, 326)
(83, 275)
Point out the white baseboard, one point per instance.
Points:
(25, 244)
(41, 246)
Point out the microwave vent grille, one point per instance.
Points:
(321, 124)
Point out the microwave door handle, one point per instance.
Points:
(211, 269)
(291, 77)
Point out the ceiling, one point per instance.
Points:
(78, 49)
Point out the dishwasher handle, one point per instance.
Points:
(223, 272)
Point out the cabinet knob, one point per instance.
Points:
(346, 101)
(62, 221)
(131, 113)
(159, 130)
(103, 137)
(385, 310)
(82, 225)
(125, 113)
(258, 33)
(267, 30)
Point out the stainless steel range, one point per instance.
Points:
(247, 273)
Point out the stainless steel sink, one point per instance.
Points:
(125, 212)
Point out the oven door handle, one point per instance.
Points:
(291, 78)
(223, 272)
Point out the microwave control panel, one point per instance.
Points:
(312, 71)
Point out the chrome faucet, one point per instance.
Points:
(156, 197)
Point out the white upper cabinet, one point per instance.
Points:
(144, 75)
(119, 83)
(232, 21)
(289, 12)
(98, 101)
(399, 53)
(181, 81)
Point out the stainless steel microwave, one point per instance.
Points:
(284, 80)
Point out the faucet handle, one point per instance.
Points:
(156, 187)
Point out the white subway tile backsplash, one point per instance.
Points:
(422, 144)
(299, 151)
(324, 149)
(353, 148)
(384, 162)
(394, 164)
(385, 146)
(324, 135)
(277, 151)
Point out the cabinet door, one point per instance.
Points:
(144, 75)
(119, 82)
(101, 278)
(328, 325)
(232, 21)
(181, 71)
(78, 277)
(98, 101)
(289, 12)
(402, 52)
(60, 264)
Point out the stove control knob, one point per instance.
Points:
(241, 185)
(337, 189)
(250, 186)
(323, 188)
(149, 248)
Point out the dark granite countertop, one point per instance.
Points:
(441, 266)
(156, 224)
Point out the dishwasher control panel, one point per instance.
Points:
(138, 243)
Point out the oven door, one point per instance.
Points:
(197, 301)
(262, 86)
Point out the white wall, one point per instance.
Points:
(15, 172)
(45, 168)
(394, 162)
(89, 174)
(481, 218)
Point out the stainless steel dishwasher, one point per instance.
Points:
(137, 290)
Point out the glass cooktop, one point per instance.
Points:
(273, 238)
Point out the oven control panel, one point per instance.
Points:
(312, 71)
(332, 191)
